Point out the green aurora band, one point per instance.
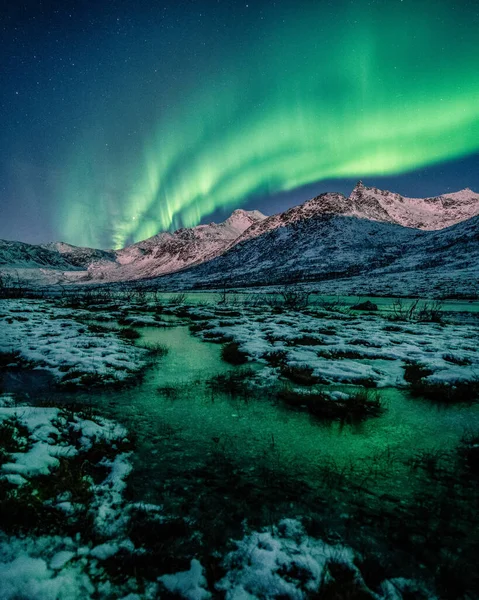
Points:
(379, 91)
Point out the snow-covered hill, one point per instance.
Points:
(344, 254)
(378, 205)
(166, 252)
(21, 255)
(169, 252)
(330, 237)
(422, 213)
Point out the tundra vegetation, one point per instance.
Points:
(276, 445)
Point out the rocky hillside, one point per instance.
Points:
(163, 253)
(421, 213)
(170, 252)
(348, 255)
(378, 205)
(330, 237)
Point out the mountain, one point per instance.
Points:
(81, 257)
(378, 205)
(169, 252)
(421, 213)
(21, 255)
(323, 246)
(347, 254)
(166, 252)
(371, 236)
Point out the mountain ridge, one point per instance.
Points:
(340, 254)
(189, 248)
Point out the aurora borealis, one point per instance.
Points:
(146, 116)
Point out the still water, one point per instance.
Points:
(385, 303)
(181, 425)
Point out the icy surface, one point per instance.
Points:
(345, 348)
(51, 338)
(280, 560)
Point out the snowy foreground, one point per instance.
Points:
(280, 561)
(68, 529)
(342, 346)
(56, 340)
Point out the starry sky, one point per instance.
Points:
(121, 118)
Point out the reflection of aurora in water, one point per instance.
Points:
(364, 92)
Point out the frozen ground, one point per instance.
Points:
(41, 335)
(344, 346)
(63, 478)
(68, 527)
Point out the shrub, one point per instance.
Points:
(415, 372)
(217, 337)
(306, 340)
(333, 305)
(339, 354)
(14, 437)
(449, 392)
(201, 326)
(300, 375)
(456, 360)
(368, 305)
(156, 349)
(276, 358)
(234, 383)
(178, 299)
(431, 312)
(128, 333)
(96, 328)
(343, 584)
(232, 354)
(12, 357)
(356, 407)
(295, 298)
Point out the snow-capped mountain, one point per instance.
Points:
(345, 254)
(55, 254)
(330, 245)
(378, 205)
(330, 237)
(162, 253)
(21, 255)
(170, 252)
(421, 213)
(79, 256)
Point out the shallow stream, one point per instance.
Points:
(181, 426)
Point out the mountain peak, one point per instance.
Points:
(430, 213)
(252, 215)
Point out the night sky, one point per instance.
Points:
(119, 118)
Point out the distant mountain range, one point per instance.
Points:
(372, 242)
(163, 253)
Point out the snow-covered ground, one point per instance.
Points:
(46, 336)
(344, 347)
(85, 563)
(67, 527)
(46, 483)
